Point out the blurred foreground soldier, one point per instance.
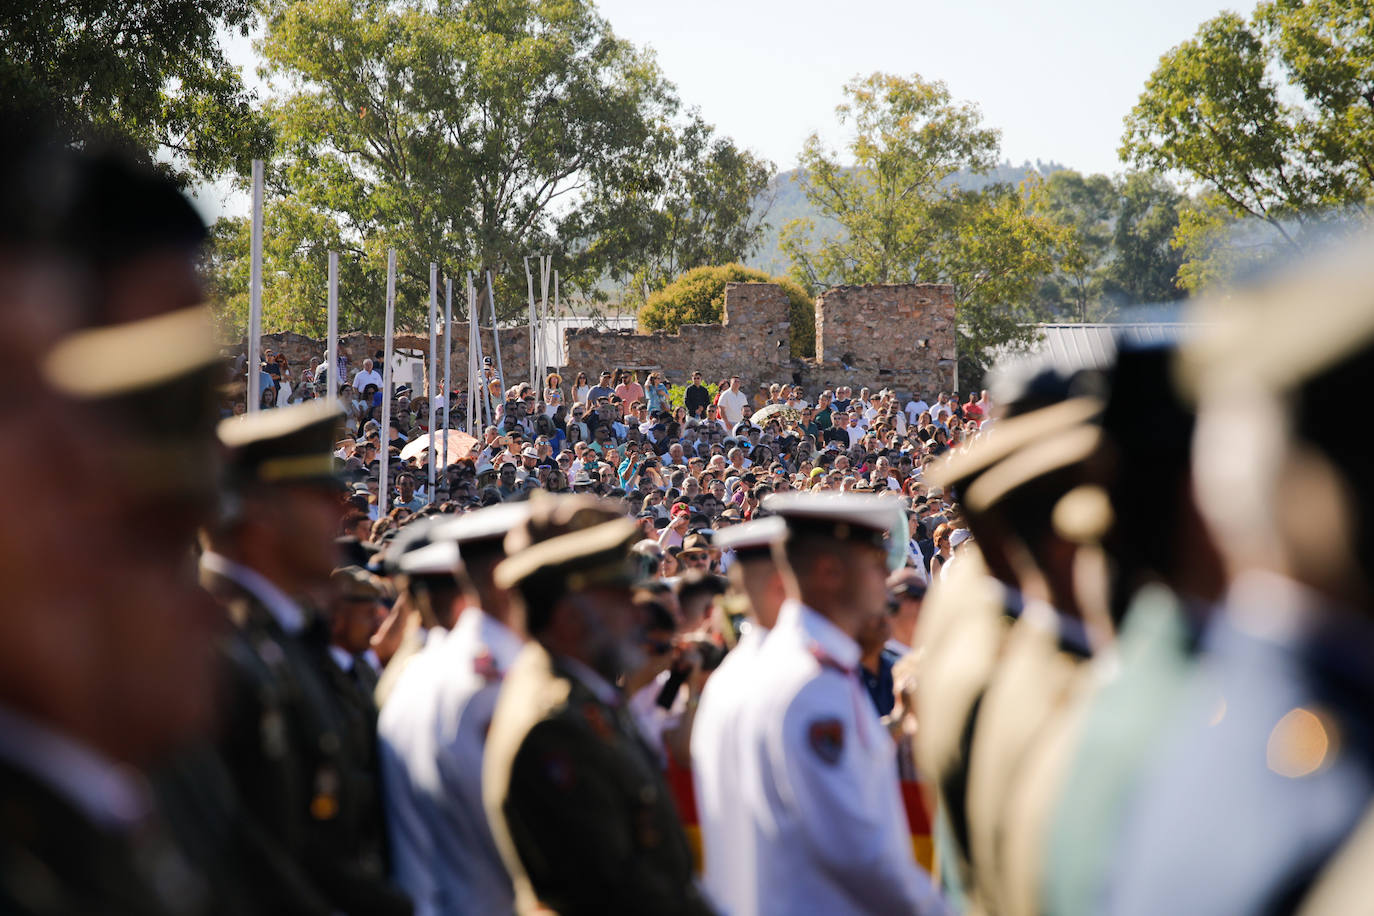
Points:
(716, 759)
(1166, 576)
(287, 739)
(425, 600)
(1260, 785)
(434, 732)
(964, 624)
(827, 827)
(106, 658)
(1041, 659)
(110, 670)
(576, 802)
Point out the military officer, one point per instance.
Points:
(426, 596)
(1041, 664)
(434, 734)
(827, 829)
(576, 802)
(1269, 772)
(754, 573)
(1166, 577)
(964, 624)
(109, 356)
(287, 740)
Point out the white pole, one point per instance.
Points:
(448, 362)
(331, 356)
(383, 497)
(534, 347)
(255, 296)
(475, 379)
(545, 266)
(557, 337)
(495, 332)
(433, 370)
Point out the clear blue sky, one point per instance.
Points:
(1056, 77)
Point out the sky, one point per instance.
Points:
(1056, 77)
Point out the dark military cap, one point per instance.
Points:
(1006, 437)
(154, 379)
(572, 541)
(286, 445)
(356, 584)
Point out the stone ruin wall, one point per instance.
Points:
(746, 343)
(865, 336)
(873, 333)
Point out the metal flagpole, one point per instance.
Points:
(545, 265)
(534, 347)
(448, 362)
(384, 465)
(433, 370)
(332, 354)
(496, 335)
(474, 367)
(557, 337)
(255, 296)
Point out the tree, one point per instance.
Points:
(1273, 117)
(698, 297)
(903, 219)
(149, 75)
(699, 206)
(1118, 247)
(473, 134)
(1087, 207)
(1144, 267)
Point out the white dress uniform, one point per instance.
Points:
(727, 857)
(405, 753)
(467, 871)
(829, 832)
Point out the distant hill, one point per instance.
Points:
(790, 203)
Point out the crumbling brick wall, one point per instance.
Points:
(751, 342)
(892, 335)
(865, 336)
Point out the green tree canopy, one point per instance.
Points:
(147, 74)
(903, 220)
(1117, 250)
(1273, 117)
(698, 297)
(472, 134)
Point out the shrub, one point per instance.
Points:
(698, 297)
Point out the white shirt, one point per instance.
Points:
(914, 409)
(450, 859)
(829, 832)
(284, 610)
(716, 765)
(732, 404)
(409, 774)
(364, 377)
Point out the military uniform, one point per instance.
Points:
(827, 830)
(576, 801)
(577, 804)
(80, 836)
(297, 732)
(961, 636)
(716, 748)
(292, 750)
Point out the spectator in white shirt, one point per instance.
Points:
(732, 402)
(367, 376)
